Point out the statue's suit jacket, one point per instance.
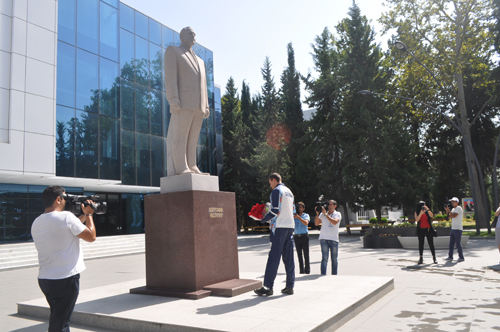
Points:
(185, 79)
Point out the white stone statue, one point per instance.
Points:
(186, 91)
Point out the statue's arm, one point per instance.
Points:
(171, 88)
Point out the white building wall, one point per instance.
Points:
(28, 55)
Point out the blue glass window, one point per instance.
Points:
(157, 157)
(165, 113)
(218, 153)
(114, 3)
(154, 32)
(218, 114)
(156, 113)
(127, 103)
(87, 81)
(126, 17)
(128, 157)
(108, 87)
(141, 25)
(86, 144)
(199, 51)
(127, 49)
(109, 32)
(142, 61)
(66, 21)
(142, 100)
(143, 160)
(110, 142)
(65, 141)
(156, 66)
(177, 39)
(209, 70)
(167, 36)
(88, 25)
(66, 74)
(202, 158)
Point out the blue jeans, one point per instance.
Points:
(455, 239)
(333, 247)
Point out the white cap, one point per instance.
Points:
(455, 199)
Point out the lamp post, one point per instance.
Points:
(466, 140)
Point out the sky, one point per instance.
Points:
(242, 33)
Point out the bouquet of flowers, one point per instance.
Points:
(259, 211)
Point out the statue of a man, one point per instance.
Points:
(186, 91)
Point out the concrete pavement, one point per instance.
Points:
(448, 296)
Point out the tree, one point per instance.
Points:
(450, 36)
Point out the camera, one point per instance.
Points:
(74, 202)
(447, 203)
(322, 202)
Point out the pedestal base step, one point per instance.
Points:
(233, 287)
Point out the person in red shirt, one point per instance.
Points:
(424, 230)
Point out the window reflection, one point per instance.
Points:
(128, 157)
(142, 101)
(86, 144)
(156, 112)
(108, 87)
(126, 17)
(110, 142)
(156, 66)
(87, 81)
(142, 61)
(209, 67)
(127, 104)
(157, 160)
(109, 32)
(114, 3)
(66, 84)
(66, 21)
(127, 49)
(87, 25)
(65, 141)
(167, 36)
(143, 160)
(141, 25)
(154, 32)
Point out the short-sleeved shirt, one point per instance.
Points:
(457, 222)
(498, 223)
(56, 240)
(300, 228)
(330, 231)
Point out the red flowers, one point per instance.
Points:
(258, 211)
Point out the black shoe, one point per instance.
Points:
(421, 261)
(287, 290)
(264, 291)
(435, 260)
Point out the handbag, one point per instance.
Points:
(494, 222)
(434, 232)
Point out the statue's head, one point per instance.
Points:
(188, 37)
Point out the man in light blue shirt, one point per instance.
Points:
(301, 238)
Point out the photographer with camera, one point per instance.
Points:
(301, 238)
(329, 234)
(457, 217)
(423, 217)
(57, 235)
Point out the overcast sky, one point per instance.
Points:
(242, 33)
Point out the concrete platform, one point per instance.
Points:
(320, 303)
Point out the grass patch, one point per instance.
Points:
(482, 233)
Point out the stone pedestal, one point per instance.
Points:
(191, 243)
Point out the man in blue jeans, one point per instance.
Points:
(457, 217)
(282, 225)
(329, 235)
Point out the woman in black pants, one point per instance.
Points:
(424, 230)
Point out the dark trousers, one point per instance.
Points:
(302, 247)
(281, 245)
(456, 240)
(423, 233)
(61, 294)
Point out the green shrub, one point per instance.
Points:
(375, 220)
(440, 216)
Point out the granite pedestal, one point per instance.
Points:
(191, 245)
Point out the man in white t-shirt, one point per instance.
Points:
(57, 235)
(457, 217)
(329, 235)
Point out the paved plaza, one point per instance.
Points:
(448, 296)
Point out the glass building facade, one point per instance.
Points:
(112, 115)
